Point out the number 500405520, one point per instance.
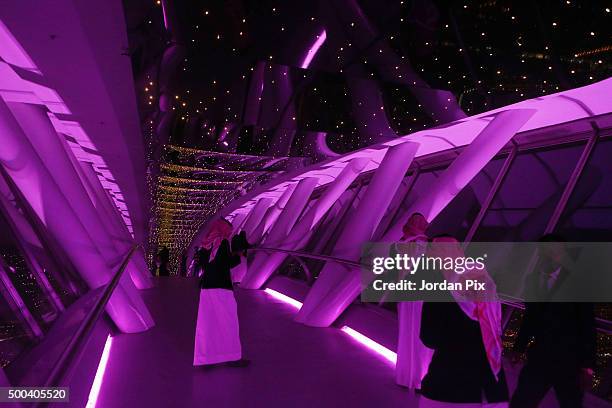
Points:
(33, 394)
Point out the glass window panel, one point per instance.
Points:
(457, 217)
(527, 197)
(14, 337)
(588, 214)
(25, 282)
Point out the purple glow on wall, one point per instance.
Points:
(371, 344)
(92, 400)
(314, 49)
(283, 298)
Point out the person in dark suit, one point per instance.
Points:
(163, 258)
(562, 353)
(183, 270)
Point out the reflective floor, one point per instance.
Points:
(291, 364)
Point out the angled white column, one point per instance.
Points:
(334, 225)
(46, 142)
(464, 168)
(122, 240)
(280, 229)
(239, 220)
(271, 214)
(256, 214)
(40, 188)
(59, 160)
(264, 264)
(102, 203)
(337, 284)
(291, 211)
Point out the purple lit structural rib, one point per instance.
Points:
(39, 187)
(238, 221)
(138, 269)
(498, 132)
(60, 162)
(256, 276)
(338, 285)
(265, 264)
(255, 215)
(292, 210)
(96, 94)
(562, 107)
(271, 214)
(314, 49)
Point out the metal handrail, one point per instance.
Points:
(309, 256)
(80, 337)
(603, 325)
